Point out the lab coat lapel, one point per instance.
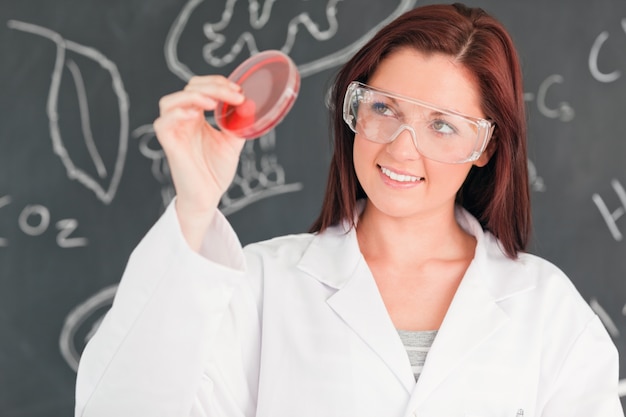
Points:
(471, 319)
(360, 305)
(474, 315)
(334, 259)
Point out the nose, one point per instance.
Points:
(403, 144)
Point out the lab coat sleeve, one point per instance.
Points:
(182, 336)
(586, 384)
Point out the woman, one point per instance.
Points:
(419, 248)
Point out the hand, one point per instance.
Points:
(202, 160)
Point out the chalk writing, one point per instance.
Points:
(103, 192)
(603, 77)
(34, 220)
(611, 217)
(66, 227)
(563, 111)
(28, 213)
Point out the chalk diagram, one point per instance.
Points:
(105, 183)
(259, 18)
(259, 174)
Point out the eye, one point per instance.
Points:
(443, 127)
(381, 108)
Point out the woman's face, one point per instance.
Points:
(397, 179)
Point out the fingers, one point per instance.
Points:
(212, 80)
(216, 88)
(193, 101)
(203, 93)
(171, 120)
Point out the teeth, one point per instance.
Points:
(400, 177)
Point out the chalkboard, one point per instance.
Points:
(82, 177)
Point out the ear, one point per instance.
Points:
(487, 154)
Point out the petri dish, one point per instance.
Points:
(270, 82)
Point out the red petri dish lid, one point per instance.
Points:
(270, 82)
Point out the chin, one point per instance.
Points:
(393, 209)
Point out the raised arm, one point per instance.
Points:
(202, 159)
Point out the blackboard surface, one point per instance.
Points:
(82, 177)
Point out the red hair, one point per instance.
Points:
(497, 194)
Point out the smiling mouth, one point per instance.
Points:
(400, 177)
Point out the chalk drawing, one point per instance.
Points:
(91, 312)
(104, 192)
(246, 40)
(258, 176)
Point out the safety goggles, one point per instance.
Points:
(438, 134)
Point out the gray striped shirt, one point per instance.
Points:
(417, 345)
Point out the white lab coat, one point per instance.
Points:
(295, 327)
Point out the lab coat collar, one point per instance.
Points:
(334, 258)
(474, 315)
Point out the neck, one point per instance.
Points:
(413, 240)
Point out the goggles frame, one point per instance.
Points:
(484, 131)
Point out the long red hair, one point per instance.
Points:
(497, 194)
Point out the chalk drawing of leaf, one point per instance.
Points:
(259, 17)
(91, 171)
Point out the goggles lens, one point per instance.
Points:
(438, 134)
